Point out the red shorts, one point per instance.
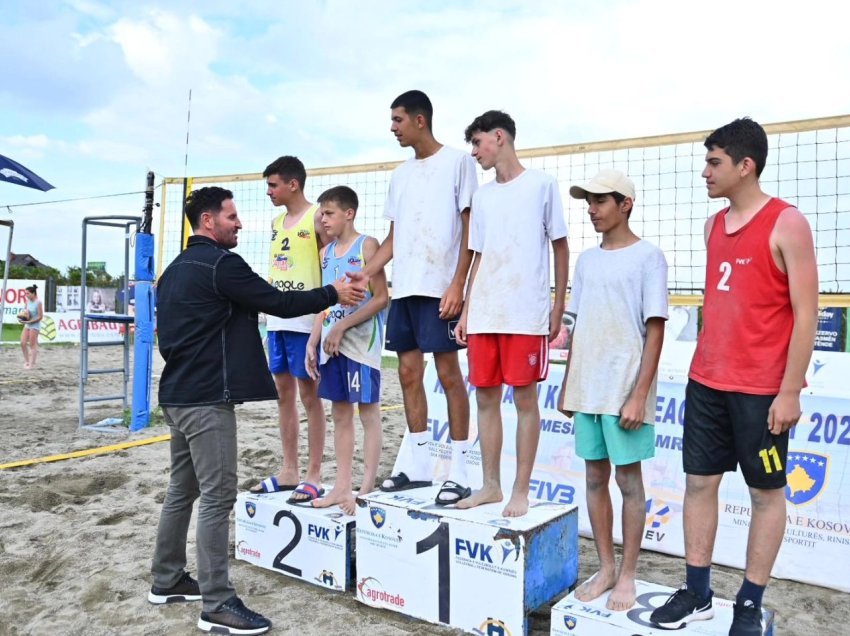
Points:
(513, 359)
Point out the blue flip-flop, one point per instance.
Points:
(270, 485)
(308, 492)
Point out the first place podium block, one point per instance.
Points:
(571, 617)
(311, 544)
(472, 569)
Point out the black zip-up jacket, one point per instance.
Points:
(207, 302)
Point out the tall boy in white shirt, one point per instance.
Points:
(508, 318)
(428, 206)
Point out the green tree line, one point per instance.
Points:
(72, 275)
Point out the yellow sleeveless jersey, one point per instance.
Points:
(294, 265)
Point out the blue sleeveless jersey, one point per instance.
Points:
(362, 343)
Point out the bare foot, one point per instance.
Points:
(289, 476)
(623, 595)
(596, 586)
(517, 506)
(487, 494)
(342, 498)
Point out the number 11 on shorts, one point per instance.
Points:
(770, 454)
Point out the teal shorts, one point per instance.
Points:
(601, 437)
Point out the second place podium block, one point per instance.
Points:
(311, 544)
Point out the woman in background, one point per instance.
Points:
(32, 325)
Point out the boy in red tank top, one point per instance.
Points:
(743, 394)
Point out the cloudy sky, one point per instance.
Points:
(93, 94)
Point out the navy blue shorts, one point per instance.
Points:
(344, 380)
(414, 323)
(286, 353)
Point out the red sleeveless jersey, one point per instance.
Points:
(747, 316)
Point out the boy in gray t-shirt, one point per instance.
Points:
(619, 303)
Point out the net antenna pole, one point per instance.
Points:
(6, 267)
(184, 226)
(144, 316)
(188, 122)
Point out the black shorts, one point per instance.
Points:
(414, 323)
(724, 429)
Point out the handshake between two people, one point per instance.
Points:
(351, 288)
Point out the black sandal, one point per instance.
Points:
(402, 482)
(454, 489)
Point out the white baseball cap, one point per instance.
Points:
(605, 182)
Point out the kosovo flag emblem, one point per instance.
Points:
(570, 622)
(251, 508)
(806, 474)
(379, 516)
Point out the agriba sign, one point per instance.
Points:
(66, 327)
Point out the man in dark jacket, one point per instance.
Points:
(207, 304)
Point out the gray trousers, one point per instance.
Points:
(203, 463)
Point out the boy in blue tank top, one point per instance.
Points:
(349, 359)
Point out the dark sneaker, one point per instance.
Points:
(747, 620)
(232, 617)
(186, 589)
(681, 608)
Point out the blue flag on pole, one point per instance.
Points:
(13, 172)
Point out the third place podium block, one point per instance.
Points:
(311, 544)
(472, 569)
(571, 617)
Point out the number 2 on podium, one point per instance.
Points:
(440, 539)
(289, 547)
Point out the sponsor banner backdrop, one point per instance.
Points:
(830, 321)
(16, 299)
(65, 327)
(817, 537)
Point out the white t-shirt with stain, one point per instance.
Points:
(614, 293)
(511, 226)
(424, 202)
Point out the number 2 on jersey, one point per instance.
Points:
(725, 273)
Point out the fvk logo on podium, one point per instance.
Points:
(474, 550)
(318, 532)
(510, 548)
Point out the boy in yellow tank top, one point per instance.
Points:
(295, 241)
